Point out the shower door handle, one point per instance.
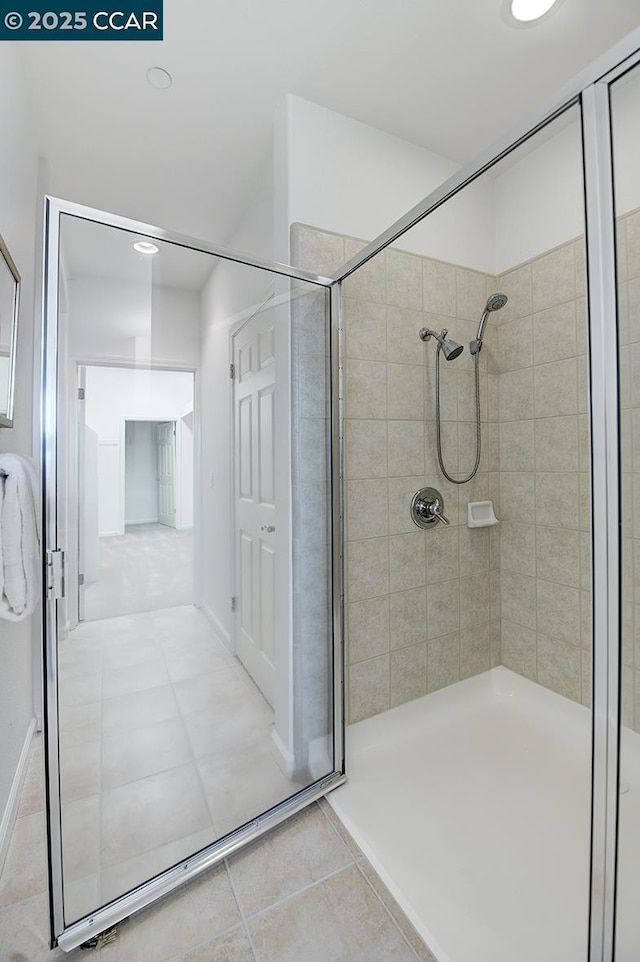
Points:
(269, 528)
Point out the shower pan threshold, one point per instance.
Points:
(474, 804)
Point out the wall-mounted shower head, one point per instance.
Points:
(495, 302)
(450, 349)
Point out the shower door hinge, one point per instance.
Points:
(234, 603)
(55, 574)
(232, 371)
(80, 579)
(81, 394)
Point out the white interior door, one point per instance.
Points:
(256, 530)
(167, 472)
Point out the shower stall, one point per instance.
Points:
(493, 747)
(436, 565)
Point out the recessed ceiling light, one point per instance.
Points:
(145, 247)
(524, 13)
(159, 78)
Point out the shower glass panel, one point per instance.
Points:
(491, 621)
(183, 471)
(625, 107)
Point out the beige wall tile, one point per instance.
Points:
(439, 287)
(443, 608)
(515, 345)
(368, 569)
(554, 278)
(408, 674)
(474, 550)
(518, 548)
(406, 448)
(633, 243)
(449, 374)
(475, 649)
(555, 333)
(474, 600)
(315, 250)
(365, 330)
(404, 280)
(581, 266)
(369, 281)
(365, 389)
(516, 445)
(556, 444)
(517, 496)
(558, 555)
(401, 493)
(581, 326)
(558, 499)
(559, 611)
(519, 649)
(516, 395)
(368, 628)
(470, 294)
(467, 396)
(442, 553)
(556, 388)
(404, 345)
(366, 509)
(406, 392)
(408, 617)
(368, 688)
(518, 594)
(407, 561)
(517, 285)
(560, 667)
(366, 449)
(449, 443)
(443, 661)
(493, 397)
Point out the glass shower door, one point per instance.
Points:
(191, 694)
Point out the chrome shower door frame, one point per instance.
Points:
(589, 90)
(75, 934)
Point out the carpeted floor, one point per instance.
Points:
(147, 568)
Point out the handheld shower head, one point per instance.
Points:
(450, 349)
(495, 302)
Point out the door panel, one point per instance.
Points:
(255, 508)
(166, 437)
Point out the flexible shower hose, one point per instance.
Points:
(476, 358)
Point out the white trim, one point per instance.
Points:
(286, 760)
(15, 794)
(217, 625)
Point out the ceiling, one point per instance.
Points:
(449, 75)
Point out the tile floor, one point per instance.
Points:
(304, 893)
(165, 746)
(150, 566)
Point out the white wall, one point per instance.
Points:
(115, 320)
(114, 395)
(141, 473)
(337, 174)
(18, 197)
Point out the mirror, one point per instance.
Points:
(9, 306)
(193, 642)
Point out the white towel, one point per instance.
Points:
(20, 572)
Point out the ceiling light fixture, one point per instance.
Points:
(159, 78)
(525, 13)
(145, 247)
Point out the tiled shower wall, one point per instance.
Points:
(419, 603)
(544, 500)
(628, 262)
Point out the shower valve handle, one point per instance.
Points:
(426, 508)
(436, 510)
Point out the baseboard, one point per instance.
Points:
(285, 759)
(216, 624)
(140, 521)
(13, 801)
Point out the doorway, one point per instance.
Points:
(136, 491)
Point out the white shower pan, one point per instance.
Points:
(473, 804)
